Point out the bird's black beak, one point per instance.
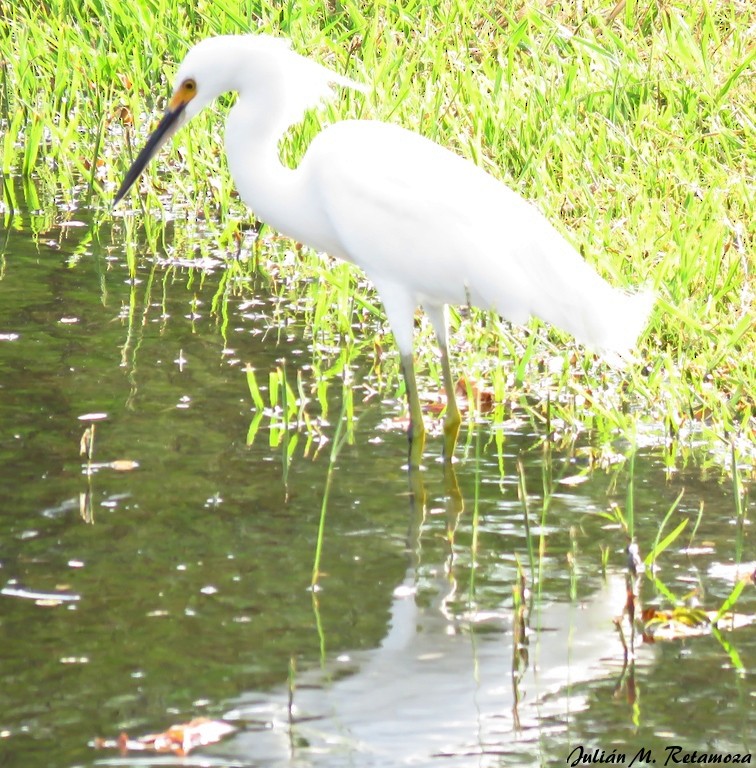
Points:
(172, 120)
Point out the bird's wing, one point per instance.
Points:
(409, 211)
(414, 214)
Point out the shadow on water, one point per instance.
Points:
(175, 582)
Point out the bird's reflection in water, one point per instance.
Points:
(446, 680)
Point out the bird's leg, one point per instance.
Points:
(416, 430)
(453, 418)
(400, 304)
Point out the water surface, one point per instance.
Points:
(176, 582)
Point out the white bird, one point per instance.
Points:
(428, 227)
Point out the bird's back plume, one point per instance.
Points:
(301, 82)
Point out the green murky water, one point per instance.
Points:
(134, 597)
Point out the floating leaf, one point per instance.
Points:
(678, 623)
(123, 465)
(572, 480)
(683, 622)
(178, 739)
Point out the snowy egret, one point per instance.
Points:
(428, 227)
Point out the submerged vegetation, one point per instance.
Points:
(632, 126)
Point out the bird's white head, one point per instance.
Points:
(276, 84)
(274, 81)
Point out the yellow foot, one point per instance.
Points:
(451, 432)
(416, 436)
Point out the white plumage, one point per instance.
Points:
(428, 227)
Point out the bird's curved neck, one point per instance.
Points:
(275, 193)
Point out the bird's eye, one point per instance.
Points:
(189, 86)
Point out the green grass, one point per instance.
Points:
(633, 127)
